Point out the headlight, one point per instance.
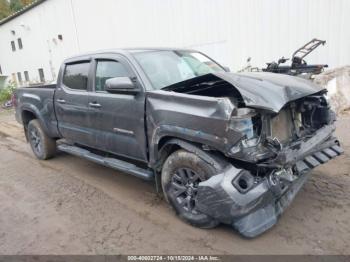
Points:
(243, 121)
(248, 122)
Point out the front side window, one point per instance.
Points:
(108, 69)
(76, 75)
(168, 67)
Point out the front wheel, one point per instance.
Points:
(181, 174)
(43, 146)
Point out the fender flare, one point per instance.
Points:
(217, 162)
(36, 113)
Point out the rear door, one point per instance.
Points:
(71, 102)
(117, 120)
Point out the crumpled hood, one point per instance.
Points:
(269, 90)
(262, 90)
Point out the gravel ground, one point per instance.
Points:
(68, 205)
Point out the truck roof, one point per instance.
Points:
(124, 51)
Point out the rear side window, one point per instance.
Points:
(108, 69)
(76, 75)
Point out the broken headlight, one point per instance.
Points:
(248, 122)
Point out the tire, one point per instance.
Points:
(43, 146)
(181, 173)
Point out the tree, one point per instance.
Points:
(7, 7)
(15, 5)
(4, 9)
(26, 2)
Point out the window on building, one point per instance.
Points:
(76, 75)
(13, 46)
(41, 75)
(26, 76)
(19, 76)
(20, 45)
(106, 70)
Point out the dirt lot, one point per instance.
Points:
(71, 206)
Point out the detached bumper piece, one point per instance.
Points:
(252, 205)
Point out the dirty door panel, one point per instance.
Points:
(117, 120)
(71, 103)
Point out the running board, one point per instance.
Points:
(108, 162)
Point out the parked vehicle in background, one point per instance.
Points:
(223, 147)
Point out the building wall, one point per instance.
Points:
(38, 28)
(229, 31)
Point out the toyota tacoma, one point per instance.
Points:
(222, 147)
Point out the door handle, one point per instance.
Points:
(61, 101)
(94, 104)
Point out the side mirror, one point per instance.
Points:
(120, 85)
(227, 69)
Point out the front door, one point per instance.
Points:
(117, 120)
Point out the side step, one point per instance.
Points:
(108, 162)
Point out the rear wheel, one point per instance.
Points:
(181, 174)
(43, 146)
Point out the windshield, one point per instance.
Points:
(165, 68)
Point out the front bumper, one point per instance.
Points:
(254, 206)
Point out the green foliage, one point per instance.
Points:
(11, 6)
(6, 92)
(4, 9)
(16, 5)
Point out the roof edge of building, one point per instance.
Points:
(21, 11)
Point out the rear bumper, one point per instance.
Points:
(254, 205)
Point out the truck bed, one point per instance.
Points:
(50, 86)
(38, 100)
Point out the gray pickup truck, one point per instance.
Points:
(223, 147)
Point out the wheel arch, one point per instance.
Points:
(169, 144)
(27, 115)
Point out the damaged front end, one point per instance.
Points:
(270, 164)
(252, 199)
(286, 129)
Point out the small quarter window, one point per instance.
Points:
(20, 45)
(108, 69)
(13, 46)
(76, 75)
(41, 75)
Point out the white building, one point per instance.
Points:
(34, 41)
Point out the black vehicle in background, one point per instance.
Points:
(299, 66)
